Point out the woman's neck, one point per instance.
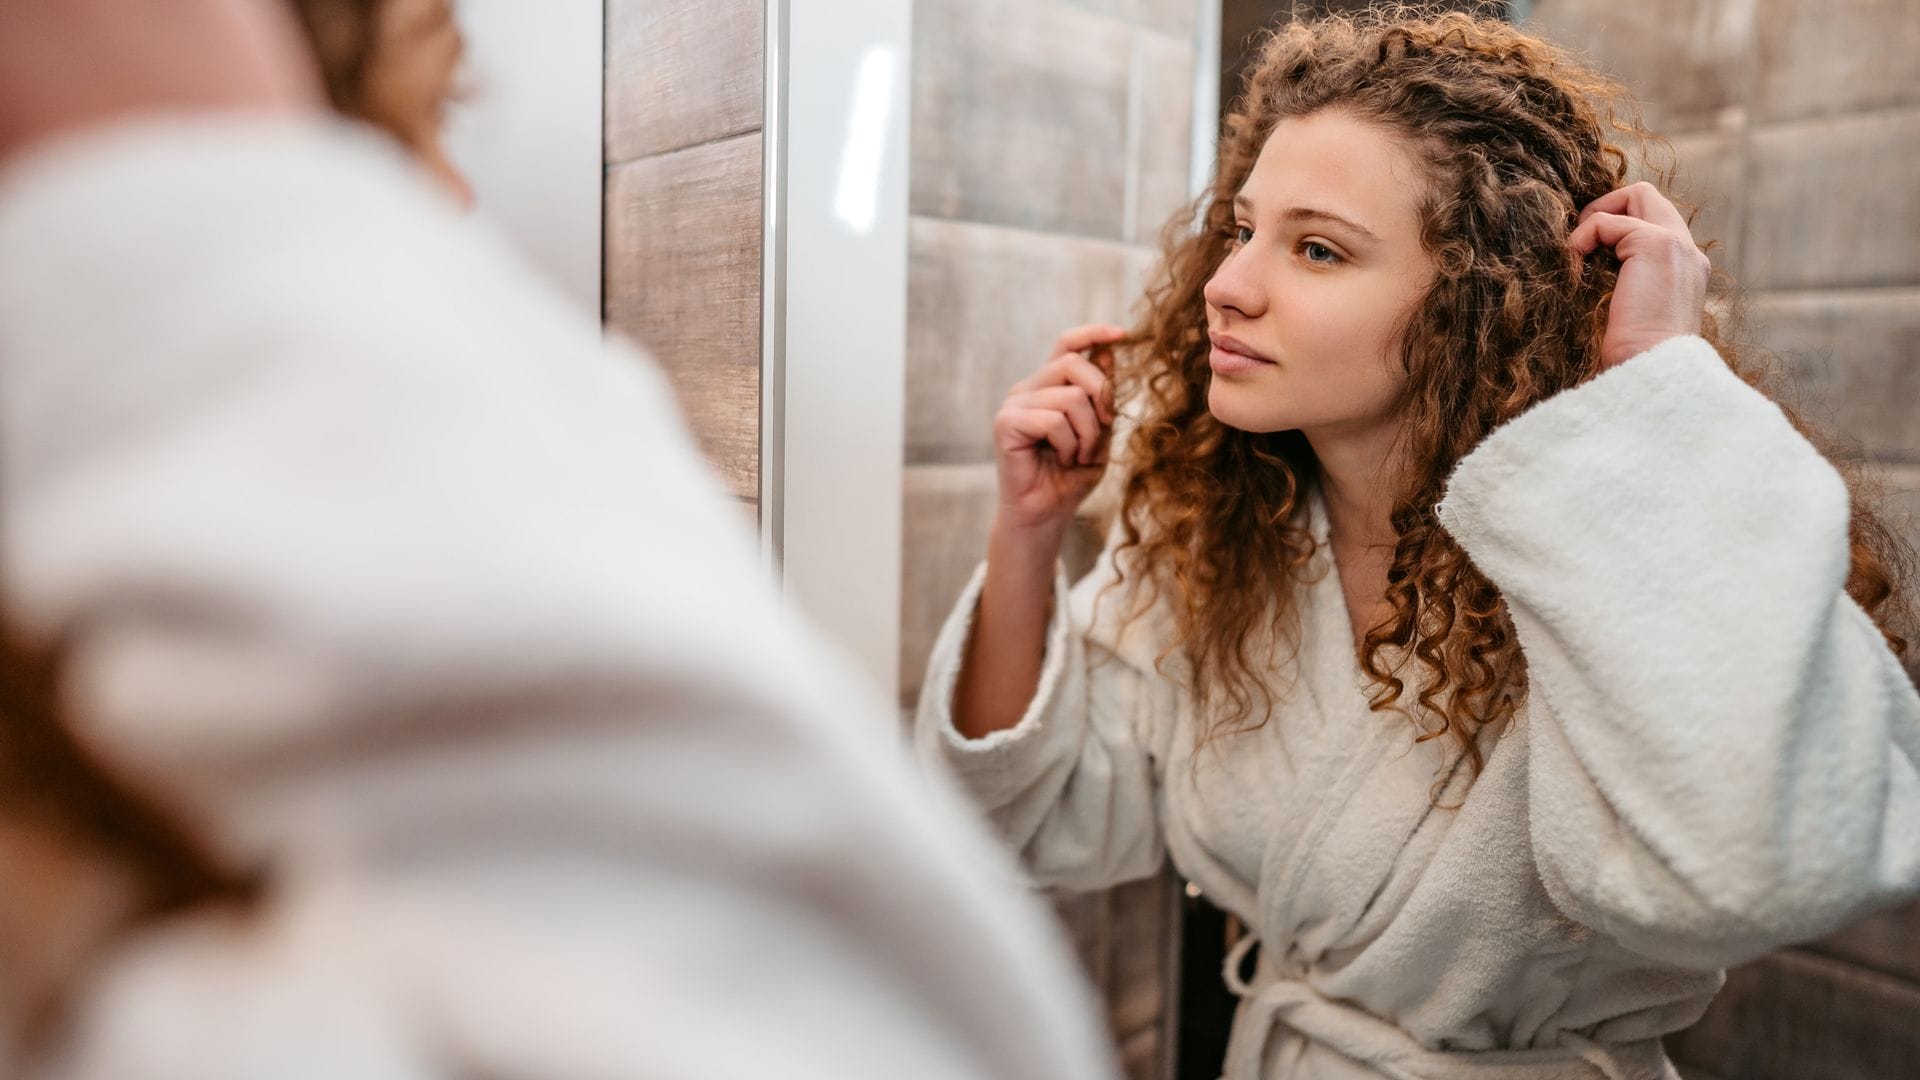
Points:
(1356, 482)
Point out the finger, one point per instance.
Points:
(1032, 427)
(1078, 340)
(1604, 230)
(1089, 377)
(1641, 200)
(1082, 338)
(1078, 408)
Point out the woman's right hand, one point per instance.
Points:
(1051, 435)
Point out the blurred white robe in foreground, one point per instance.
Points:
(374, 562)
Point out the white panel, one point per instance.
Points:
(834, 392)
(529, 135)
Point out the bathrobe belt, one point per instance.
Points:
(1273, 999)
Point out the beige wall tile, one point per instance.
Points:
(682, 72)
(683, 278)
(1821, 56)
(1020, 115)
(1835, 203)
(1855, 363)
(947, 511)
(1163, 90)
(984, 306)
(1686, 61)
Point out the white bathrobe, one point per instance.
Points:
(378, 566)
(1718, 757)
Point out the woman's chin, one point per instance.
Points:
(1232, 406)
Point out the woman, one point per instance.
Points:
(1471, 629)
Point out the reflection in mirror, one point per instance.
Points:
(1471, 628)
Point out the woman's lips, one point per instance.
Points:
(1232, 357)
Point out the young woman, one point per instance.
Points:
(1472, 629)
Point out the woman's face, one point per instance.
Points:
(1307, 310)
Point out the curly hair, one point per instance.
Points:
(1514, 137)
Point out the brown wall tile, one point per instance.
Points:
(683, 278)
(984, 306)
(1794, 1016)
(1821, 56)
(681, 73)
(1020, 115)
(1835, 203)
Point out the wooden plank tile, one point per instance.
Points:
(683, 239)
(1888, 941)
(1797, 1016)
(1688, 62)
(1817, 57)
(1834, 203)
(1137, 987)
(1020, 115)
(947, 511)
(984, 306)
(1853, 361)
(681, 73)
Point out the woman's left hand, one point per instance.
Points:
(1662, 288)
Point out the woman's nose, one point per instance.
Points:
(1232, 288)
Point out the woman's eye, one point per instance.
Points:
(1319, 253)
(1242, 235)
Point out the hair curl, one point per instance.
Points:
(1515, 138)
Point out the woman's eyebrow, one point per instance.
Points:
(1301, 213)
(1244, 205)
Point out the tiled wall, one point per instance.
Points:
(1797, 124)
(1051, 140)
(684, 209)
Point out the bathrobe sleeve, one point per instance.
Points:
(1073, 786)
(379, 566)
(1722, 745)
